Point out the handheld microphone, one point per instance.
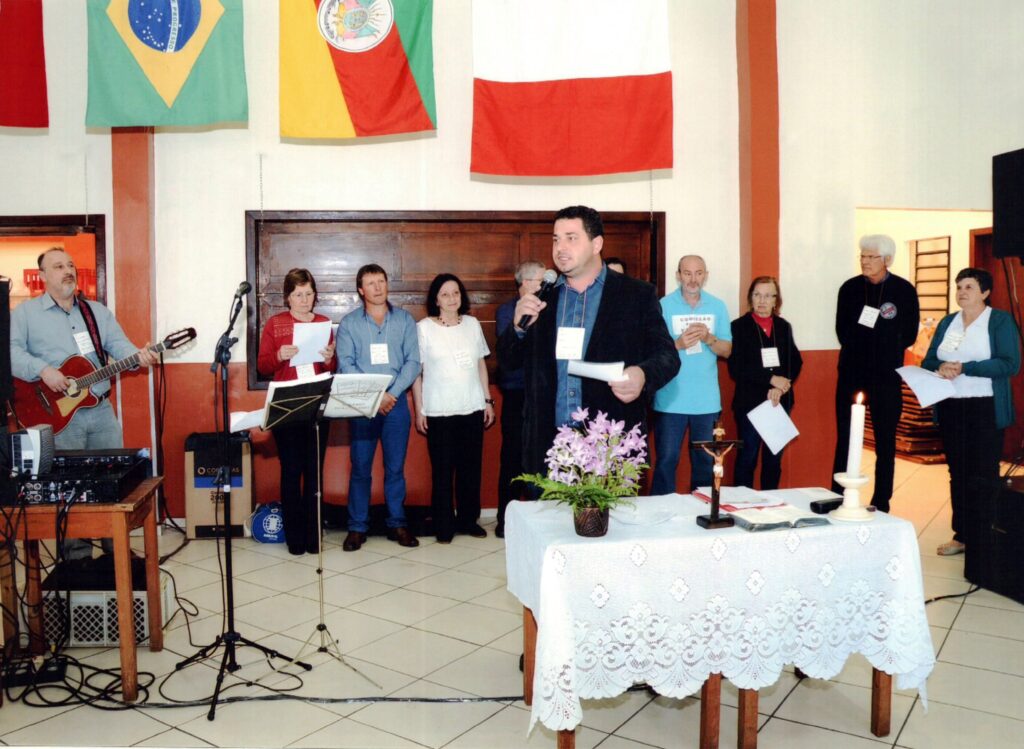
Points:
(550, 277)
(243, 288)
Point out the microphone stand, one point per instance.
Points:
(229, 638)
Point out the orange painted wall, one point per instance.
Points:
(190, 409)
(806, 462)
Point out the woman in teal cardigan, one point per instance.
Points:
(978, 350)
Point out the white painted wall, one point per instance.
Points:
(887, 104)
(206, 181)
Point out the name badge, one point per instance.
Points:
(868, 316)
(463, 359)
(84, 341)
(770, 357)
(378, 353)
(305, 371)
(694, 349)
(569, 343)
(951, 341)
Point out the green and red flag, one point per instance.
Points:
(22, 64)
(353, 68)
(165, 62)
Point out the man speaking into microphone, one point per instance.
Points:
(590, 314)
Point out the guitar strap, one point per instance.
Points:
(93, 328)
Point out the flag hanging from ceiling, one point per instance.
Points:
(22, 64)
(165, 62)
(569, 88)
(353, 68)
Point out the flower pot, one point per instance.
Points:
(590, 521)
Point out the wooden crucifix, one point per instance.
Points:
(717, 448)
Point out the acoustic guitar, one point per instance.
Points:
(34, 403)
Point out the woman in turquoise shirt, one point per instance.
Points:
(978, 350)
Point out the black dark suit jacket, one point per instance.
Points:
(629, 328)
(753, 380)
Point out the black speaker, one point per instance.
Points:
(994, 558)
(1008, 204)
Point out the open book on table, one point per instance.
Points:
(771, 518)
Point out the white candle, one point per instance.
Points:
(856, 437)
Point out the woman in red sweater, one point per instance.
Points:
(296, 445)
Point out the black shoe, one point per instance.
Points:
(353, 541)
(296, 550)
(500, 531)
(475, 531)
(403, 536)
(444, 538)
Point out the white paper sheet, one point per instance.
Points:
(681, 322)
(774, 425)
(356, 395)
(311, 338)
(256, 419)
(611, 372)
(927, 386)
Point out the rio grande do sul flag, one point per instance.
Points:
(353, 68)
(165, 62)
(22, 65)
(571, 88)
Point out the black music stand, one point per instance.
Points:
(230, 638)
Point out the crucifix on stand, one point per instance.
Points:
(717, 448)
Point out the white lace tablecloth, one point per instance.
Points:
(668, 603)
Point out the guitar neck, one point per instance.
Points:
(116, 368)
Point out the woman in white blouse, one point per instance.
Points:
(977, 349)
(453, 406)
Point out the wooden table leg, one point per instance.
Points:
(8, 596)
(881, 702)
(34, 599)
(530, 657)
(125, 613)
(710, 711)
(153, 602)
(747, 728)
(566, 739)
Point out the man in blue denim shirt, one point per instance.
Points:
(379, 339)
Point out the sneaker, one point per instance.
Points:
(950, 549)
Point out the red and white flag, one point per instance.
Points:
(570, 88)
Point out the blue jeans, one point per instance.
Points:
(669, 431)
(392, 431)
(95, 428)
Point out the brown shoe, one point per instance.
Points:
(403, 536)
(353, 541)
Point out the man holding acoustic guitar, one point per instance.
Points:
(49, 329)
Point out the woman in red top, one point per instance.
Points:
(296, 445)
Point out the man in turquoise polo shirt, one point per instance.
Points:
(699, 323)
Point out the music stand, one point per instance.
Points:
(230, 638)
(349, 395)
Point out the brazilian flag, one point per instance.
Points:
(165, 62)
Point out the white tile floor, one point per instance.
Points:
(437, 622)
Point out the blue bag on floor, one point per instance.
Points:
(267, 523)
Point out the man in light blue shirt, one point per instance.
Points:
(699, 323)
(45, 331)
(379, 339)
